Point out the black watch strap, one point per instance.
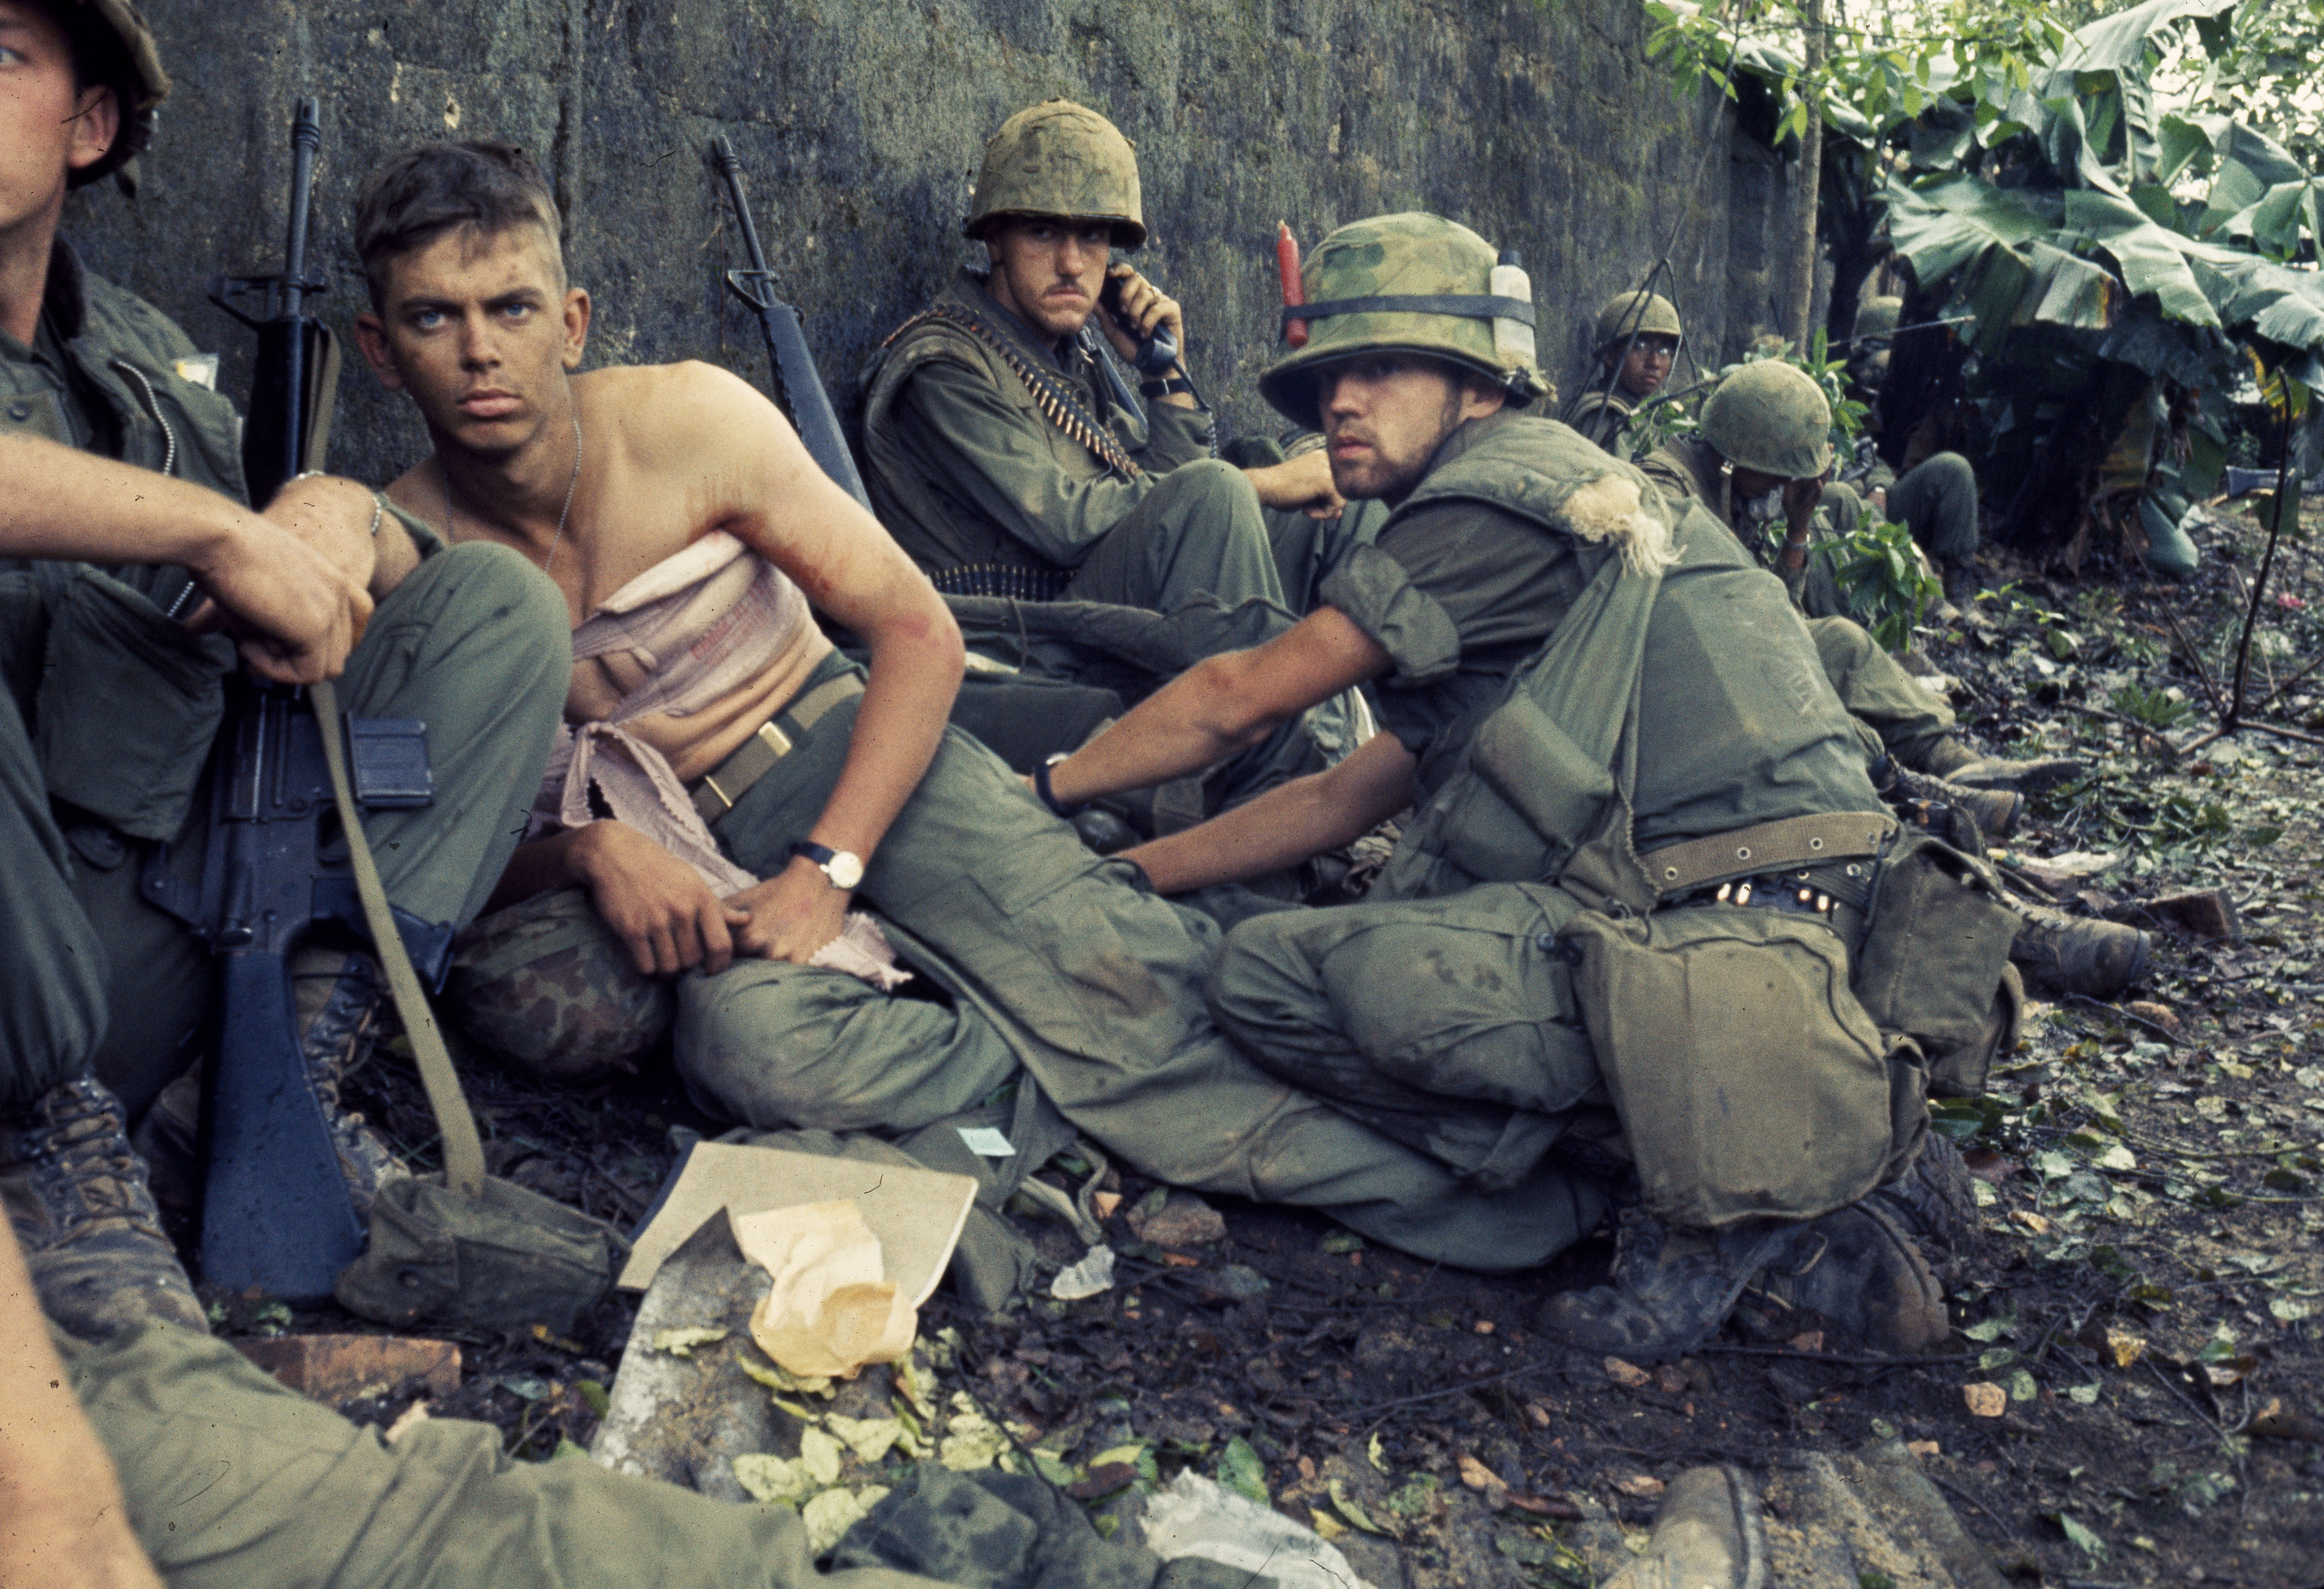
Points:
(1057, 807)
(1155, 388)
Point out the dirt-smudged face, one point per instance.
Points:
(1047, 269)
(480, 328)
(1384, 416)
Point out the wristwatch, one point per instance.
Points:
(844, 868)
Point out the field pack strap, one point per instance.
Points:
(456, 1124)
(1056, 400)
(1809, 840)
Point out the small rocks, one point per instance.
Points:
(2206, 913)
(1184, 1220)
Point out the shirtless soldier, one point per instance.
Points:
(756, 778)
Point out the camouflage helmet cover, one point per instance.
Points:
(1623, 316)
(1059, 159)
(1424, 285)
(127, 60)
(1878, 318)
(1771, 418)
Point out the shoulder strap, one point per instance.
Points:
(1055, 399)
(464, 1150)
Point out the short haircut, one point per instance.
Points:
(421, 193)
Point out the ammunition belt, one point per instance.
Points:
(1056, 401)
(1017, 582)
(1846, 841)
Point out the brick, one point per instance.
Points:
(336, 1369)
(2206, 913)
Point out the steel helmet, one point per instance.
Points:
(1623, 316)
(1405, 283)
(1059, 159)
(113, 46)
(1770, 418)
(1878, 318)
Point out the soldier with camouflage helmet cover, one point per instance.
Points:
(1522, 593)
(1637, 338)
(999, 451)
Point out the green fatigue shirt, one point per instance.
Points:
(966, 466)
(1468, 581)
(1686, 467)
(1604, 417)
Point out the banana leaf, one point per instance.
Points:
(2151, 257)
(2120, 42)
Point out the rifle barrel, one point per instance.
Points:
(722, 154)
(306, 139)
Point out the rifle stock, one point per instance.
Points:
(798, 390)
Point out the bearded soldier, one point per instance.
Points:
(1621, 743)
(1638, 337)
(1002, 453)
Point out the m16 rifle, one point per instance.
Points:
(276, 1212)
(798, 390)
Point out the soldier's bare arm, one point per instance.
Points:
(1288, 823)
(295, 613)
(771, 494)
(1221, 706)
(61, 1521)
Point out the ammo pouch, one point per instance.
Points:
(1936, 950)
(550, 990)
(499, 1260)
(1749, 1080)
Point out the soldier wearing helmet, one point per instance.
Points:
(1543, 637)
(1010, 448)
(1935, 494)
(1638, 337)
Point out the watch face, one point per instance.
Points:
(845, 868)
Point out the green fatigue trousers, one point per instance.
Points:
(1907, 717)
(475, 642)
(1061, 962)
(1937, 502)
(1199, 532)
(1449, 1025)
(234, 1482)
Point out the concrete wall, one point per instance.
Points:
(1539, 123)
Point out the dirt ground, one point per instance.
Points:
(2140, 1322)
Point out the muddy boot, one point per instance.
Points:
(336, 998)
(1994, 812)
(1672, 1287)
(1861, 1273)
(1936, 1200)
(2060, 953)
(92, 1238)
(1707, 1535)
(1956, 763)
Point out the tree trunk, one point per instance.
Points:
(1811, 177)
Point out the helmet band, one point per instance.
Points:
(1461, 305)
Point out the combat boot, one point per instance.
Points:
(2060, 953)
(335, 998)
(1672, 1287)
(1994, 812)
(1857, 1270)
(1707, 1535)
(1961, 581)
(1936, 1200)
(1947, 757)
(76, 1197)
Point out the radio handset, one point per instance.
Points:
(1155, 353)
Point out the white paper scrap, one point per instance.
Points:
(985, 1142)
(1088, 1278)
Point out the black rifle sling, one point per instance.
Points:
(1051, 395)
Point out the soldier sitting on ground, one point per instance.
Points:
(1608, 719)
(999, 452)
(728, 782)
(1637, 339)
(109, 613)
(1935, 495)
(1766, 439)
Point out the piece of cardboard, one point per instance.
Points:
(917, 1214)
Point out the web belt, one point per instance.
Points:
(1817, 841)
(1056, 401)
(719, 791)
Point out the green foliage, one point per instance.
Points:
(2153, 707)
(1879, 571)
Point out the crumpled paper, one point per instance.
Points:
(863, 951)
(832, 1309)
